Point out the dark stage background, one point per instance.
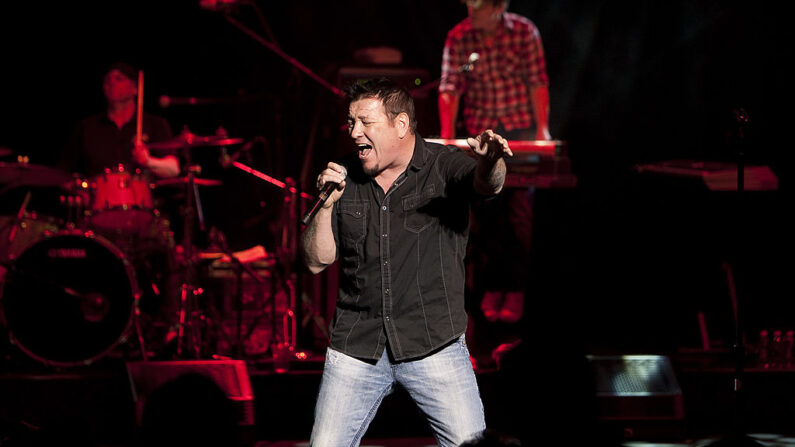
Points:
(623, 262)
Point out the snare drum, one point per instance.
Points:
(121, 200)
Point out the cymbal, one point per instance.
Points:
(26, 174)
(185, 181)
(187, 139)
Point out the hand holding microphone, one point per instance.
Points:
(331, 182)
(466, 68)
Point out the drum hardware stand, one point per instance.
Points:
(188, 298)
(12, 232)
(190, 315)
(737, 436)
(241, 267)
(286, 255)
(138, 331)
(189, 291)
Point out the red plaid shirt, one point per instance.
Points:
(497, 89)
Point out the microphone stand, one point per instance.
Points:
(292, 61)
(737, 436)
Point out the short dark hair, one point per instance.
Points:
(124, 68)
(395, 98)
(493, 2)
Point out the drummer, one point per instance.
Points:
(107, 139)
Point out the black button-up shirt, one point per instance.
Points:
(98, 143)
(401, 255)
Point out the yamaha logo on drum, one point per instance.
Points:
(67, 253)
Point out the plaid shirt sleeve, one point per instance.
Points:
(453, 57)
(537, 70)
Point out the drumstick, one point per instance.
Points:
(139, 125)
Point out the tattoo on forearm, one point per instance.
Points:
(490, 179)
(309, 234)
(497, 178)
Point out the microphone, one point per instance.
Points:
(217, 5)
(168, 101)
(466, 68)
(328, 188)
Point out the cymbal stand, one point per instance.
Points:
(188, 335)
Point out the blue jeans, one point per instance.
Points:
(442, 384)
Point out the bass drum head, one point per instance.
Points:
(69, 299)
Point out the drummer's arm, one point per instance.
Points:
(164, 167)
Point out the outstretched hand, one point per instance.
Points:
(490, 145)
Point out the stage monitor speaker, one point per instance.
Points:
(638, 395)
(231, 376)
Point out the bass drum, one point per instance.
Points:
(69, 299)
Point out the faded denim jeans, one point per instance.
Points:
(443, 385)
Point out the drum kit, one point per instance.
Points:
(73, 277)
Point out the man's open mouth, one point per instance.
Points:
(364, 150)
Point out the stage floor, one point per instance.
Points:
(96, 404)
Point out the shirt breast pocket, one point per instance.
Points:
(353, 220)
(419, 209)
